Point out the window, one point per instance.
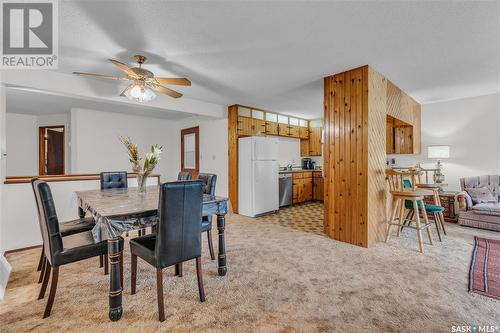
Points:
(282, 119)
(256, 114)
(294, 121)
(273, 117)
(245, 112)
(302, 123)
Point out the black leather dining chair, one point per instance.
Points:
(113, 179)
(60, 250)
(178, 236)
(184, 175)
(209, 181)
(65, 228)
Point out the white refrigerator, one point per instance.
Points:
(258, 188)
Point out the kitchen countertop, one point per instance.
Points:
(298, 170)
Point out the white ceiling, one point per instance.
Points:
(274, 54)
(27, 101)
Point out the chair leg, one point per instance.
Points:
(45, 282)
(106, 265)
(133, 274)
(42, 270)
(391, 220)
(441, 217)
(401, 214)
(52, 293)
(40, 261)
(159, 290)
(178, 269)
(210, 244)
(417, 222)
(101, 261)
(199, 274)
(436, 221)
(426, 221)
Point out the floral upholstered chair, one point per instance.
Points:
(478, 202)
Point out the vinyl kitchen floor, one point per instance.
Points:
(307, 217)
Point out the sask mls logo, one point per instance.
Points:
(29, 34)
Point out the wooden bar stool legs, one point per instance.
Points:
(398, 212)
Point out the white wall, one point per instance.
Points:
(22, 144)
(213, 148)
(471, 127)
(96, 147)
(289, 152)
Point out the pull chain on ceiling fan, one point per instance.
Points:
(144, 83)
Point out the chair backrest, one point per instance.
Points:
(114, 179)
(492, 182)
(400, 180)
(179, 222)
(184, 175)
(47, 218)
(209, 181)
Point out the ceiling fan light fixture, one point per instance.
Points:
(140, 93)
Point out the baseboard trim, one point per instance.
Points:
(22, 249)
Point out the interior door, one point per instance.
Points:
(190, 151)
(51, 150)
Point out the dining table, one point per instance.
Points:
(120, 210)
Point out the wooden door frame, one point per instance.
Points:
(196, 131)
(41, 148)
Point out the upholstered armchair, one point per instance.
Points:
(480, 214)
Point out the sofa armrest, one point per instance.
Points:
(464, 201)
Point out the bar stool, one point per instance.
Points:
(400, 195)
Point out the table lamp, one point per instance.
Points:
(438, 152)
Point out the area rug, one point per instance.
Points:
(484, 273)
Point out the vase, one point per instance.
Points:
(142, 179)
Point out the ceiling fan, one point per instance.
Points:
(144, 83)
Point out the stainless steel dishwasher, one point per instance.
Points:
(285, 189)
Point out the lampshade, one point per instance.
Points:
(438, 152)
(140, 93)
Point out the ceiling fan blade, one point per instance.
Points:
(124, 68)
(100, 76)
(179, 81)
(164, 90)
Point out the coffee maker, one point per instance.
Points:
(307, 164)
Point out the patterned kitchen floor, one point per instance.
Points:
(307, 217)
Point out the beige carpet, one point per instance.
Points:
(279, 280)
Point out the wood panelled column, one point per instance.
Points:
(356, 105)
(346, 156)
(232, 133)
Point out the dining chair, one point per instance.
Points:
(184, 175)
(60, 250)
(116, 179)
(178, 236)
(113, 179)
(66, 228)
(209, 181)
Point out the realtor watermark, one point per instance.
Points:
(29, 34)
(474, 328)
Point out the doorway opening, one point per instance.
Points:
(51, 150)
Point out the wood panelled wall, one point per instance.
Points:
(232, 138)
(355, 109)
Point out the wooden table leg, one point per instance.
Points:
(115, 287)
(221, 223)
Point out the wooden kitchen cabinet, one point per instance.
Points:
(244, 126)
(304, 147)
(271, 128)
(307, 190)
(294, 131)
(258, 126)
(304, 133)
(283, 130)
(318, 186)
(302, 187)
(315, 134)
